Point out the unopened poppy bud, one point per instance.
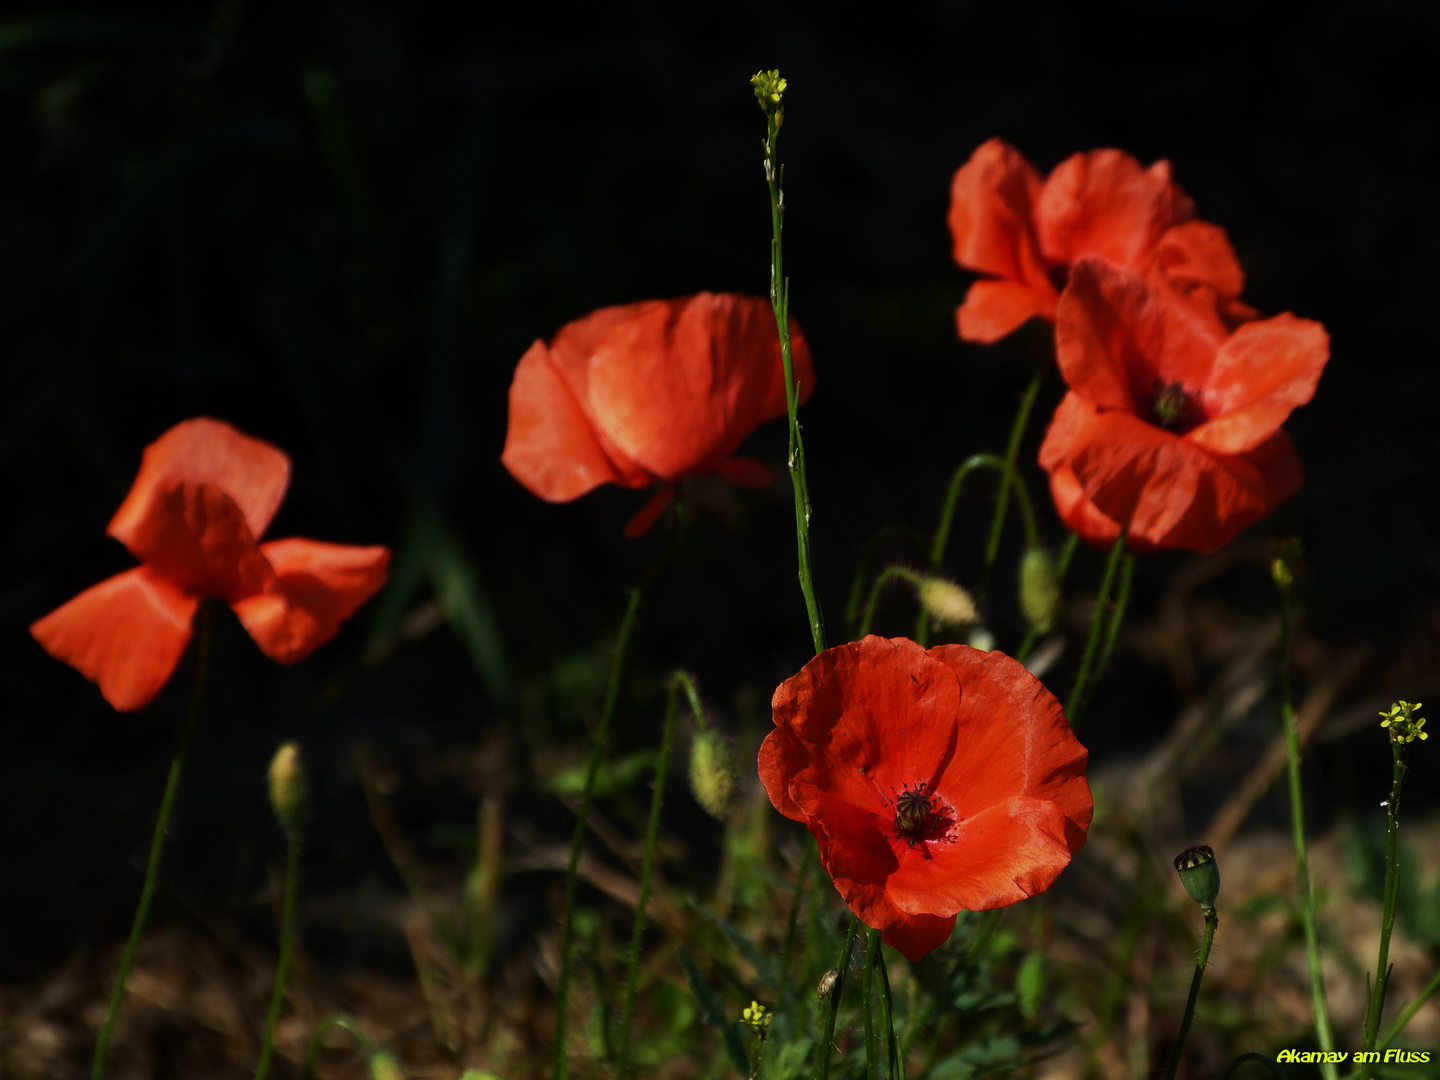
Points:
(1039, 589)
(947, 603)
(713, 776)
(384, 1066)
(826, 986)
(289, 791)
(1285, 552)
(1200, 874)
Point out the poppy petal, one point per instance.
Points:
(745, 472)
(1105, 203)
(781, 757)
(197, 536)
(650, 513)
(1199, 253)
(125, 634)
(316, 587)
(1080, 515)
(252, 473)
(993, 309)
(1260, 375)
(915, 936)
(992, 216)
(549, 444)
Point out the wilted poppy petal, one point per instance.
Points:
(316, 587)
(745, 472)
(1005, 853)
(211, 453)
(1199, 253)
(993, 309)
(650, 513)
(549, 444)
(1105, 203)
(126, 635)
(1260, 375)
(197, 536)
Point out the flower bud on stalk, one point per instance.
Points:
(289, 790)
(1200, 874)
(947, 603)
(713, 776)
(384, 1066)
(1039, 589)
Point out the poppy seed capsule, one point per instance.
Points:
(289, 790)
(947, 603)
(1039, 589)
(713, 777)
(1200, 874)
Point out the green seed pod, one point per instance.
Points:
(1200, 874)
(289, 790)
(384, 1066)
(947, 603)
(713, 776)
(1039, 589)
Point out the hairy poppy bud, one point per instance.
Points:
(713, 776)
(384, 1066)
(947, 603)
(827, 982)
(1039, 589)
(982, 639)
(289, 790)
(1200, 874)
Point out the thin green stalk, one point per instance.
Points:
(1097, 623)
(1033, 634)
(1398, 1024)
(1375, 1006)
(1012, 450)
(1212, 920)
(862, 569)
(592, 769)
(894, 1063)
(344, 1023)
(770, 97)
(828, 1045)
(287, 943)
(947, 517)
(1112, 631)
(1323, 1033)
(157, 840)
(652, 837)
(801, 876)
(889, 574)
(867, 1007)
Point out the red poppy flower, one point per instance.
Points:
(204, 495)
(1025, 233)
(654, 391)
(934, 782)
(1172, 424)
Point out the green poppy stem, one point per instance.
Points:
(827, 1046)
(867, 1006)
(1012, 451)
(1323, 1034)
(889, 574)
(1212, 920)
(652, 838)
(344, 1023)
(157, 840)
(895, 1065)
(1082, 688)
(592, 770)
(287, 943)
(801, 877)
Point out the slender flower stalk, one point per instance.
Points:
(344, 1023)
(1284, 553)
(1008, 483)
(592, 769)
(157, 840)
(1398, 1024)
(1112, 630)
(836, 990)
(1083, 683)
(895, 1065)
(1212, 920)
(287, 944)
(867, 1006)
(652, 837)
(802, 876)
(1404, 728)
(1007, 477)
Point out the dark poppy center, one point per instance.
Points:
(1174, 408)
(920, 816)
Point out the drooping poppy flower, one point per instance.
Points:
(204, 495)
(934, 782)
(650, 392)
(1171, 428)
(1025, 234)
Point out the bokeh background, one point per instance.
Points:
(339, 224)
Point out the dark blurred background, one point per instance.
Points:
(338, 226)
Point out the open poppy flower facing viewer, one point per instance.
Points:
(1025, 234)
(934, 782)
(204, 495)
(655, 391)
(1171, 428)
